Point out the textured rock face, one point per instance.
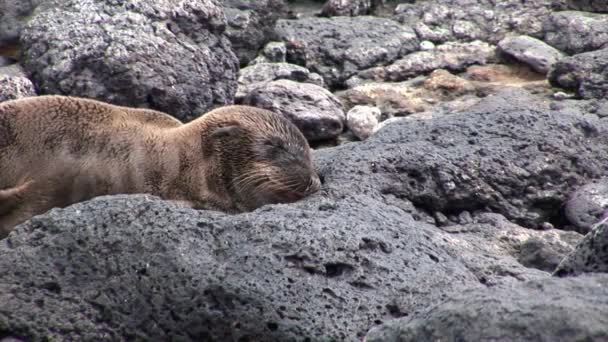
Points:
(258, 74)
(590, 256)
(585, 73)
(347, 7)
(446, 20)
(13, 16)
(166, 55)
(14, 84)
(531, 51)
(582, 5)
(251, 24)
(495, 156)
(451, 56)
(316, 111)
(504, 313)
(587, 205)
(329, 267)
(576, 32)
(337, 48)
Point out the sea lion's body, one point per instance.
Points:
(55, 151)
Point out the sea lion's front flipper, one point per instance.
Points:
(11, 198)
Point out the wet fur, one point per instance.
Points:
(56, 150)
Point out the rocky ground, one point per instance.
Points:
(463, 147)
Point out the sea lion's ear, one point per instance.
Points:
(225, 131)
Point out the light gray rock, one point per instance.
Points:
(166, 55)
(316, 111)
(573, 309)
(531, 51)
(441, 21)
(591, 254)
(452, 56)
(339, 47)
(585, 73)
(347, 7)
(362, 120)
(588, 205)
(14, 84)
(273, 52)
(255, 75)
(576, 32)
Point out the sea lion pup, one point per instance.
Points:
(58, 150)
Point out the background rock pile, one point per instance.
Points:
(474, 209)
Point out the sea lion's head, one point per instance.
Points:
(264, 158)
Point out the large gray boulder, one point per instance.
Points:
(251, 24)
(576, 32)
(496, 156)
(531, 51)
(339, 47)
(314, 110)
(585, 73)
(166, 55)
(466, 20)
(574, 309)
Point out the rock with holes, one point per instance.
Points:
(316, 111)
(531, 51)
(451, 56)
(582, 5)
(466, 20)
(339, 47)
(171, 56)
(362, 120)
(588, 205)
(585, 73)
(14, 15)
(573, 309)
(590, 256)
(251, 24)
(14, 83)
(576, 32)
(257, 75)
(347, 7)
(495, 156)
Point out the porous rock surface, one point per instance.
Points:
(572, 309)
(14, 83)
(166, 55)
(495, 156)
(582, 5)
(590, 256)
(339, 47)
(260, 73)
(13, 17)
(357, 254)
(576, 32)
(585, 73)
(588, 205)
(347, 7)
(251, 24)
(452, 56)
(531, 51)
(466, 20)
(313, 109)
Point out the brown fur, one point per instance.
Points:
(56, 150)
